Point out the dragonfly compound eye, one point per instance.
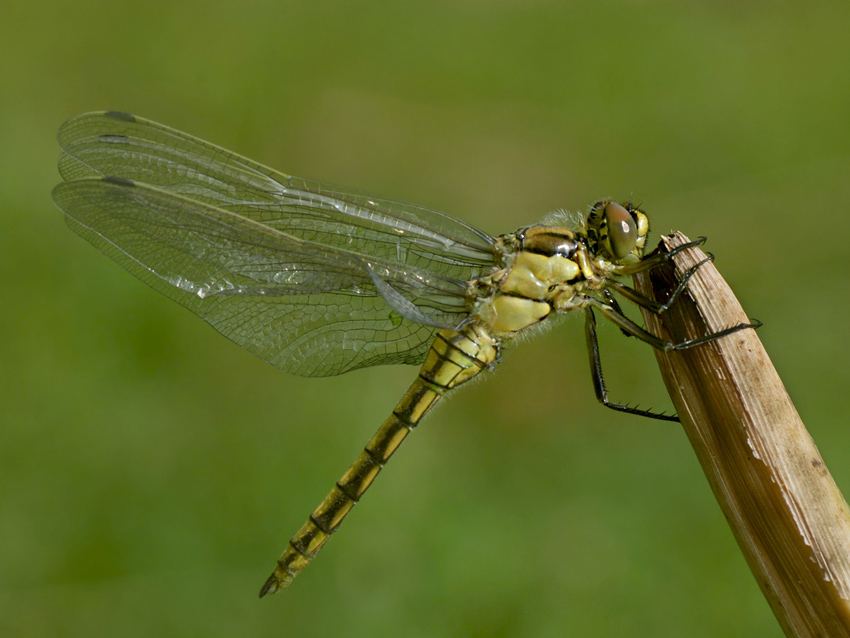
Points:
(622, 232)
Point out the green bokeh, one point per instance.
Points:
(150, 471)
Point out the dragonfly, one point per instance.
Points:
(319, 280)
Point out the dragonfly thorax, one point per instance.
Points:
(552, 269)
(542, 264)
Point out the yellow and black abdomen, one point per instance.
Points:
(454, 358)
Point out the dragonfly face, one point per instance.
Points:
(319, 280)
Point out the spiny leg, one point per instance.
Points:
(598, 378)
(653, 306)
(644, 302)
(612, 301)
(613, 312)
(610, 313)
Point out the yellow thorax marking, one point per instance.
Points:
(532, 275)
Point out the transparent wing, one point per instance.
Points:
(306, 307)
(122, 145)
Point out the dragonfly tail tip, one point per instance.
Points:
(272, 585)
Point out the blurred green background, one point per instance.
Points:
(151, 471)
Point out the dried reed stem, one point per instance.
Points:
(788, 516)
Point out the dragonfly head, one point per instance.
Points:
(617, 233)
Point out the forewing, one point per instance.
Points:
(122, 145)
(305, 307)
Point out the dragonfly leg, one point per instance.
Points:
(653, 306)
(599, 379)
(626, 324)
(612, 301)
(657, 257)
